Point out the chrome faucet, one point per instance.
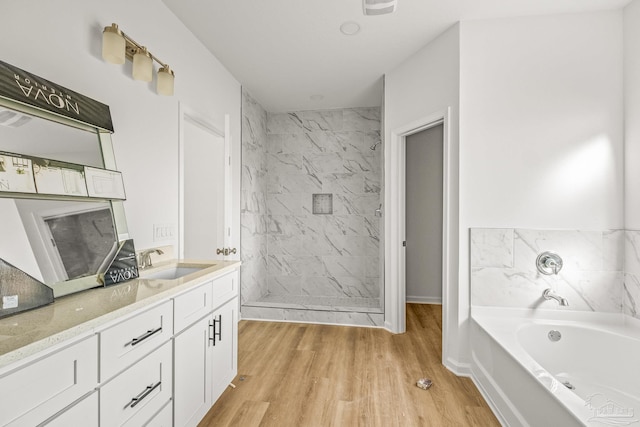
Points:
(549, 294)
(549, 263)
(145, 257)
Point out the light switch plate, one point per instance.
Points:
(162, 232)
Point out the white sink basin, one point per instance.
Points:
(171, 273)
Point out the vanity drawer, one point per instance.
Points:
(164, 418)
(125, 343)
(225, 287)
(83, 413)
(192, 306)
(136, 395)
(37, 391)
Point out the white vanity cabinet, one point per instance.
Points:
(164, 363)
(31, 394)
(205, 351)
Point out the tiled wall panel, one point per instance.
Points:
(335, 255)
(504, 273)
(286, 158)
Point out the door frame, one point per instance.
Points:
(395, 223)
(187, 114)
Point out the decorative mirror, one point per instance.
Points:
(58, 233)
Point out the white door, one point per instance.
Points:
(204, 172)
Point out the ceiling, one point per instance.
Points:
(290, 53)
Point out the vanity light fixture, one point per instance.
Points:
(379, 7)
(117, 46)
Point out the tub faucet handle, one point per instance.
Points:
(549, 263)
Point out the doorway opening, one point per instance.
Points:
(423, 215)
(395, 224)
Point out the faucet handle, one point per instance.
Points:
(549, 263)
(145, 257)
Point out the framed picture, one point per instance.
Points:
(16, 173)
(55, 177)
(106, 184)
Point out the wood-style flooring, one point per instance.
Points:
(303, 375)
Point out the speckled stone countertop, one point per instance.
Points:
(24, 335)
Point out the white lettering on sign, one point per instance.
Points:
(47, 95)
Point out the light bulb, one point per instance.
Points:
(165, 81)
(113, 45)
(142, 65)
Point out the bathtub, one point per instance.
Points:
(557, 368)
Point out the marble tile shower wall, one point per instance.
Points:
(631, 291)
(253, 221)
(504, 273)
(327, 151)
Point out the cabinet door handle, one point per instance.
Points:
(217, 333)
(144, 394)
(212, 336)
(143, 337)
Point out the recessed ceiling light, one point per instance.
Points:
(316, 97)
(350, 28)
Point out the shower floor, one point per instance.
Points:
(360, 305)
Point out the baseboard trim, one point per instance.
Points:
(424, 300)
(458, 368)
(308, 322)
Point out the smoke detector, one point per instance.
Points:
(379, 7)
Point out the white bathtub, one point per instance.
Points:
(589, 377)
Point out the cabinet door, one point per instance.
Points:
(192, 373)
(35, 392)
(225, 347)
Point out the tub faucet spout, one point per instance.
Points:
(549, 294)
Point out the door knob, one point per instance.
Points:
(225, 251)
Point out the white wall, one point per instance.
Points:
(62, 40)
(541, 121)
(425, 84)
(540, 127)
(541, 116)
(632, 114)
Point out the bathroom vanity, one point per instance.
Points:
(157, 350)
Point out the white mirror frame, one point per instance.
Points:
(117, 207)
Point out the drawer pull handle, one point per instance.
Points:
(218, 333)
(142, 395)
(144, 336)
